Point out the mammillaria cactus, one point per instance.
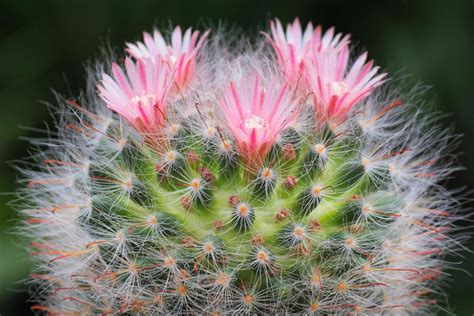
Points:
(204, 176)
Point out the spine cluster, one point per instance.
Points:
(206, 176)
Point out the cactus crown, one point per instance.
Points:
(241, 182)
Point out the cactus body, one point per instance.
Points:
(337, 212)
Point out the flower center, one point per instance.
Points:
(144, 99)
(338, 88)
(171, 58)
(255, 122)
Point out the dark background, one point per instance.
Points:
(44, 45)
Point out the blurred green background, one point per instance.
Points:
(44, 45)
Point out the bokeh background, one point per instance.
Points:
(44, 45)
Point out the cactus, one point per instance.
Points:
(208, 176)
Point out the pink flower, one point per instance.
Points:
(181, 54)
(294, 47)
(256, 114)
(140, 95)
(337, 88)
